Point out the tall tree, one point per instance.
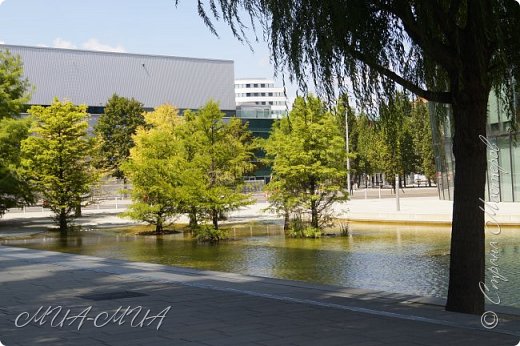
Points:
(422, 138)
(446, 51)
(152, 167)
(14, 89)
(56, 157)
(218, 154)
(114, 130)
(14, 190)
(307, 150)
(14, 94)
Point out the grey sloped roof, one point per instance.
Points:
(90, 77)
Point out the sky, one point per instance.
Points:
(132, 26)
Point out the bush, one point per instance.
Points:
(308, 232)
(206, 233)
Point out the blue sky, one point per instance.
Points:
(133, 26)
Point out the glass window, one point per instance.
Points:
(256, 85)
(515, 170)
(504, 161)
(248, 85)
(262, 85)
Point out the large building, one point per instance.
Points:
(91, 78)
(499, 132)
(259, 98)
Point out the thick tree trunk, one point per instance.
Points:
(467, 255)
(159, 224)
(159, 227)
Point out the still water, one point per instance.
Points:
(413, 260)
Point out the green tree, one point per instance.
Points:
(371, 147)
(217, 154)
(422, 139)
(152, 167)
(307, 152)
(14, 89)
(114, 130)
(14, 190)
(446, 51)
(56, 157)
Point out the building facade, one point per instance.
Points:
(500, 132)
(91, 78)
(259, 98)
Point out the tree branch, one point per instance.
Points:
(434, 96)
(436, 49)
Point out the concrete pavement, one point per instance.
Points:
(210, 308)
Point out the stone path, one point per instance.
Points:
(210, 308)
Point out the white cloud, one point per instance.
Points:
(90, 44)
(94, 44)
(1, 2)
(61, 43)
(2, 42)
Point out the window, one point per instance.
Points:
(248, 85)
(270, 94)
(271, 103)
(255, 85)
(263, 94)
(262, 85)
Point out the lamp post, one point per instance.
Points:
(349, 187)
(398, 205)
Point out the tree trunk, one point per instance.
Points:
(467, 267)
(159, 227)
(314, 215)
(194, 224)
(62, 218)
(214, 216)
(77, 209)
(286, 220)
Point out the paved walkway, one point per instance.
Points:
(209, 308)
(417, 206)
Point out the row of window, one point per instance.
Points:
(258, 94)
(255, 85)
(271, 103)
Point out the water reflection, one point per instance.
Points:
(412, 260)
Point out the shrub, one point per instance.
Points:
(206, 233)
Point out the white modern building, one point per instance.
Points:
(259, 98)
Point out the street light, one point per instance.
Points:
(347, 148)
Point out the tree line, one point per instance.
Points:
(193, 164)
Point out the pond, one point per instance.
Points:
(413, 260)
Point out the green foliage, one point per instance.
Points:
(14, 89)
(206, 233)
(152, 167)
(422, 139)
(307, 232)
(192, 164)
(307, 153)
(216, 155)
(56, 157)
(14, 190)
(114, 130)
(444, 51)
